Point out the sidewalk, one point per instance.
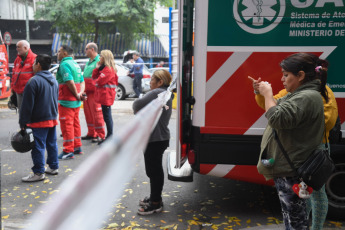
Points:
(3, 103)
(124, 106)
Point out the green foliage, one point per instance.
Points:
(128, 17)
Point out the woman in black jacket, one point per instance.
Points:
(158, 143)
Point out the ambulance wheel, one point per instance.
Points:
(335, 190)
(120, 93)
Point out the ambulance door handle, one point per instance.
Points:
(191, 100)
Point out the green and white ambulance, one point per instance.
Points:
(220, 124)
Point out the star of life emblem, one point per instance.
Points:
(258, 16)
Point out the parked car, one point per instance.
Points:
(125, 86)
(152, 70)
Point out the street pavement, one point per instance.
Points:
(38, 193)
(19, 200)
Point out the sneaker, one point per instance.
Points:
(78, 151)
(146, 201)
(87, 137)
(51, 171)
(34, 177)
(96, 140)
(101, 141)
(133, 95)
(150, 209)
(66, 156)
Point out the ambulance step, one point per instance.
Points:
(184, 174)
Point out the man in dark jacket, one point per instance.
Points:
(39, 111)
(138, 73)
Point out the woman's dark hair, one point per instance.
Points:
(313, 67)
(44, 60)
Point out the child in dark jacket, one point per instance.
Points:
(39, 111)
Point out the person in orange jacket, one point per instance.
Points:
(71, 90)
(106, 81)
(22, 70)
(92, 110)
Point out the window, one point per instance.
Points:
(165, 19)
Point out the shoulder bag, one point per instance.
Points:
(316, 170)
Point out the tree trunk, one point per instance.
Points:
(96, 31)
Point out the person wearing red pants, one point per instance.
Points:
(92, 110)
(71, 90)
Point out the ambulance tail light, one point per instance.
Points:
(191, 157)
(183, 151)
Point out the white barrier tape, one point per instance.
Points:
(147, 63)
(86, 198)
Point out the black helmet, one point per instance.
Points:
(23, 141)
(11, 105)
(12, 102)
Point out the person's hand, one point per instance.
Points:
(83, 97)
(255, 84)
(265, 89)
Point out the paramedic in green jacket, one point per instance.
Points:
(298, 119)
(92, 110)
(71, 89)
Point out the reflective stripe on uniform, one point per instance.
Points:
(68, 140)
(65, 83)
(22, 72)
(106, 86)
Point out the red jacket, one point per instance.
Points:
(106, 82)
(25, 70)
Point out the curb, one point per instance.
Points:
(3, 103)
(267, 227)
(281, 227)
(15, 224)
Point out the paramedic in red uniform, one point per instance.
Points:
(92, 110)
(71, 89)
(106, 81)
(22, 70)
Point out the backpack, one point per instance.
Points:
(335, 134)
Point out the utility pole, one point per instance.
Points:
(27, 21)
